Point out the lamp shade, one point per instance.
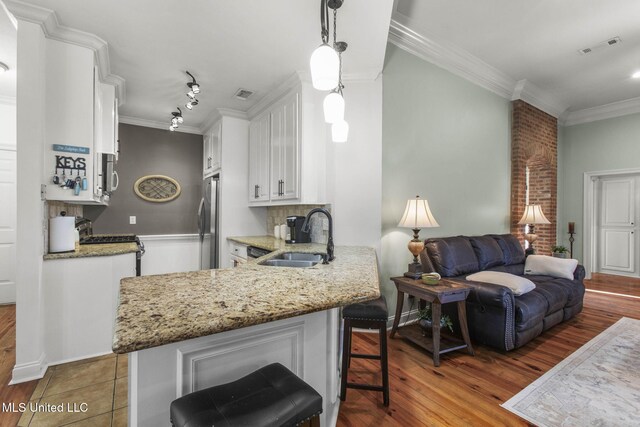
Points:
(333, 106)
(325, 67)
(418, 215)
(533, 215)
(340, 131)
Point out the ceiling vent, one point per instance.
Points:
(607, 43)
(243, 94)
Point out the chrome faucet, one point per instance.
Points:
(306, 228)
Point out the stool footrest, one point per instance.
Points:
(366, 356)
(365, 386)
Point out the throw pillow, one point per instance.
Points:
(511, 248)
(550, 266)
(518, 284)
(487, 250)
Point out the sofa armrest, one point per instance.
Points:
(579, 273)
(491, 314)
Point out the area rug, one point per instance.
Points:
(598, 385)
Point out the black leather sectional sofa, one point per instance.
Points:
(495, 316)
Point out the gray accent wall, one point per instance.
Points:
(603, 145)
(148, 151)
(446, 140)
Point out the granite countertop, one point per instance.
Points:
(162, 309)
(105, 249)
(270, 243)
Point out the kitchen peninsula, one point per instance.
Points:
(189, 331)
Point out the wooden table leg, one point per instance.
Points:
(396, 319)
(436, 308)
(462, 317)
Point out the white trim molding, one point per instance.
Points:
(532, 94)
(48, 20)
(607, 111)
(7, 100)
(450, 57)
(128, 120)
(29, 371)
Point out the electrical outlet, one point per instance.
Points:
(132, 220)
(325, 224)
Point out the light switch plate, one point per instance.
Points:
(132, 220)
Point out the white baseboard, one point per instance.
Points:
(7, 293)
(29, 371)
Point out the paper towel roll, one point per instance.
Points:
(61, 234)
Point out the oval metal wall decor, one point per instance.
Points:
(157, 188)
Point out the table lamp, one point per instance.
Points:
(532, 215)
(417, 215)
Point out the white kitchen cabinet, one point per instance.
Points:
(237, 253)
(259, 158)
(285, 143)
(287, 139)
(82, 299)
(81, 122)
(212, 150)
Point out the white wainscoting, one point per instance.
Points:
(170, 253)
(307, 345)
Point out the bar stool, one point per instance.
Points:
(271, 396)
(368, 315)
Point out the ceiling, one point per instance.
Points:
(225, 44)
(538, 41)
(257, 45)
(8, 46)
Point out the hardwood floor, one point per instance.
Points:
(10, 393)
(466, 390)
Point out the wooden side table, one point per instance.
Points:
(445, 291)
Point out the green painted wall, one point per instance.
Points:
(603, 145)
(445, 139)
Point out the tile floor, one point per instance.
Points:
(100, 383)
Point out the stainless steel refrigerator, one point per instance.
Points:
(208, 212)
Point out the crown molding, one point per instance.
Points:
(602, 112)
(293, 81)
(48, 21)
(219, 113)
(157, 125)
(7, 100)
(532, 94)
(450, 57)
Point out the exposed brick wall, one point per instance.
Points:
(534, 144)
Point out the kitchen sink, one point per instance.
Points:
(294, 259)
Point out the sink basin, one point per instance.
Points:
(294, 259)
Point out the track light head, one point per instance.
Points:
(177, 116)
(193, 86)
(192, 103)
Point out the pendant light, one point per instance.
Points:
(340, 131)
(324, 61)
(333, 107)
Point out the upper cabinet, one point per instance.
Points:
(81, 124)
(287, 151)
(212, 150)
(259, 158)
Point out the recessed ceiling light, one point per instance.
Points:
(636, 75)
(3, 67)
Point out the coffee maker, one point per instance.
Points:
(296, 235)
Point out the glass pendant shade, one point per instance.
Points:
(325, 67)
(340, 131)
(333, 108)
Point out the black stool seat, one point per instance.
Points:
(270, 396)
(370, 310)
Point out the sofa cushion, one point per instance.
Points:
(517, 269)
(452, 256)
(555, 294)
(511, 248)
(487, 251)
(550, 266)
(530, 310)
(518, 284)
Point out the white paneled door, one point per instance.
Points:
(7, 226)
(619, 203)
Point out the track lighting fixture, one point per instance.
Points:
(192, 103)
(176, 119)
(194, 89)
